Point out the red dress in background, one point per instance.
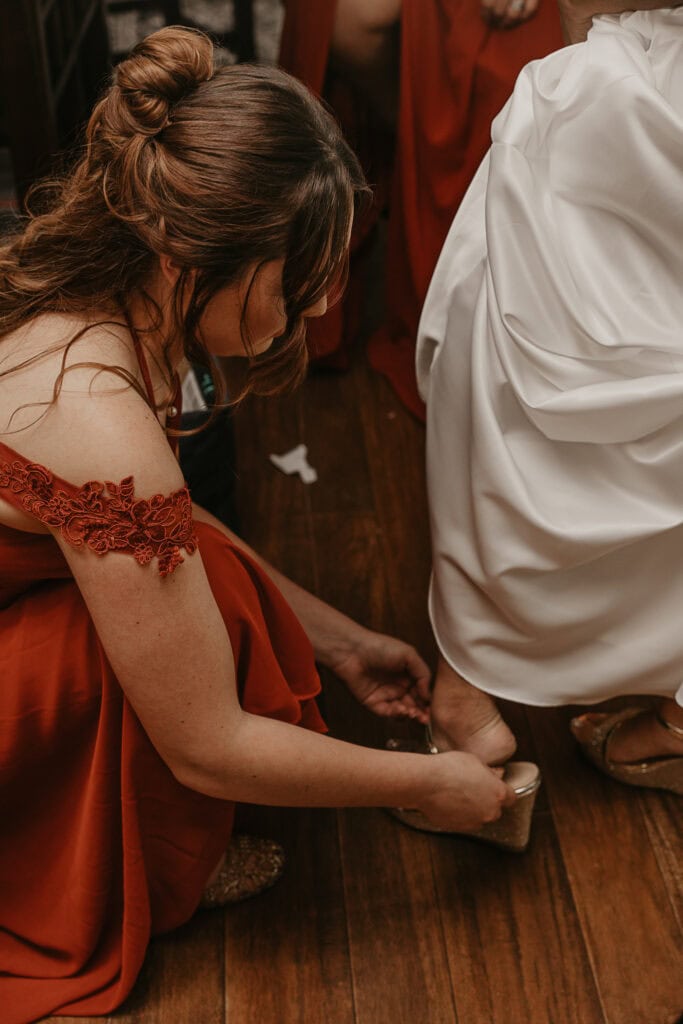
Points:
(456, 74)
(101, 846)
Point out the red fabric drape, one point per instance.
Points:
(101, 845)
(456, 74)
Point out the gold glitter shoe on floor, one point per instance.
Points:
(511, 831)
(251, 865)
(594, 738)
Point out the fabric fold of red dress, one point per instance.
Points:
(102, 846)
(456, 72)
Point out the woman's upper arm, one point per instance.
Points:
(168, 647)
(162, 633)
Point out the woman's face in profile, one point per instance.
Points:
(259, 296)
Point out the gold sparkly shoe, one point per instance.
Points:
(594, 738)
(511, 831)
(251, 865)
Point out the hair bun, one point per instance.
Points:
(159, 72)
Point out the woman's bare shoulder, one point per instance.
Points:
(103, 334)
(99, 427)
(33, 356)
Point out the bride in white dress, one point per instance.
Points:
(550, 356)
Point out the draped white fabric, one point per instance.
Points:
(550, 355)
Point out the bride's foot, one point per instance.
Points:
(637, 746)
(639, 738)
(465, 718)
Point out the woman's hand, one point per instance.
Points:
(385, 675)
(577, 15)
(463, 794)
(507, 13)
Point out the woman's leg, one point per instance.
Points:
(640, 738)
(365, 49)
(465, 718)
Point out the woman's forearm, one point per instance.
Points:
(269, 762)
(328, 630)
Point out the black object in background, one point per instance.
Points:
(208, 459)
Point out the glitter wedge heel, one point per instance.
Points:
(511, 831)
(595, 738)
(251, 865)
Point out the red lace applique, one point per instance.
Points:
(107, 516)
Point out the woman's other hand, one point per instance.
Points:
(385, 675)
(507, 13)
(577, 15)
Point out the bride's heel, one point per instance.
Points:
(512, 830)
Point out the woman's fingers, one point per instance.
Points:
(515, 10)
(404, 708)
(508, 13)
(493, 10)
(518, 11)
(418, 670)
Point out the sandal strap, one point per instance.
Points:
(618, 719)
(677, 730)
(431, 745)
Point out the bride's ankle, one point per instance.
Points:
(492, 742)
(669, 716)
(465, 718)
(647, 733)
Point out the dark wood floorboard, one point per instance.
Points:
(630, 928)
(397, 949)
(287, 953)
(376, 924)
(662, 814)
(515, 947)
(297, 930)
(182, 980)
(395, 446)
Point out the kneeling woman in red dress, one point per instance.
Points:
(153, 670)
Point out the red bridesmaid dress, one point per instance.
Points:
(101, 846)
(456, 73)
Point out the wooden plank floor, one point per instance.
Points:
(376, 924)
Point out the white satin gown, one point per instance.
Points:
(550, 356)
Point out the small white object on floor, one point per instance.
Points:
(296, 461)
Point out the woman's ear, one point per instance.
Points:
(170, 270)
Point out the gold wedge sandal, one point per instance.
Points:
(511, 831)
(251, 865)
(654, 773)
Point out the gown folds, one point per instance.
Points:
(456, 72)
(101, 846)
(550, 355)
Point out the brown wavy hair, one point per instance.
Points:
(220, 170)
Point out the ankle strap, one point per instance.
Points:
(677, 730)
(431, 745)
